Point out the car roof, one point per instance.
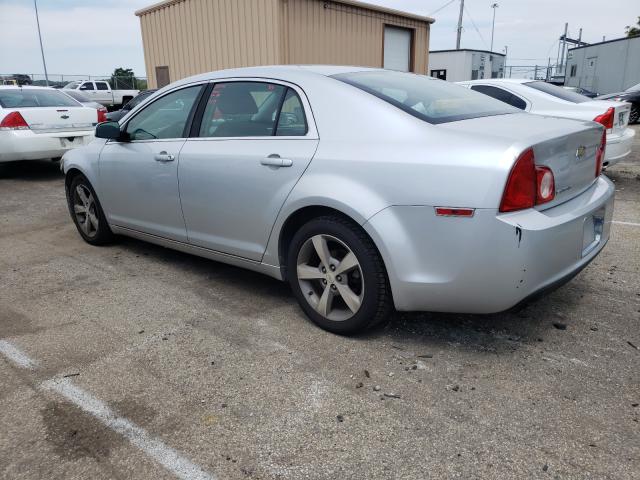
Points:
(278, 71)
(25, 87)
(500, 80)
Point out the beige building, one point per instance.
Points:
(186, 37)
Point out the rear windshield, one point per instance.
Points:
(78, 96)
(32, 97)
(558, 92)
(431, 100)
(635, 88)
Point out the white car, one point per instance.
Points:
(40, 122)
(542, 98)
(101, 92)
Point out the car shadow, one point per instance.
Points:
(31, 170)
(423, 332)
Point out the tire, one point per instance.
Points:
(356, 296)
(93, 228)
(634, 115)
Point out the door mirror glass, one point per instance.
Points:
(108, 130)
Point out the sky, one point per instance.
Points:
(92, 37)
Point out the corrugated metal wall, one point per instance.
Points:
(195, 36)
(335, 33)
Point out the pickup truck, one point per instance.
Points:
(101, 92)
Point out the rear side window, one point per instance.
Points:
(502, 95)
(434, 101)
(102, 86)
(558, 92)
(242, 109)
(33, 97)
(292, 121)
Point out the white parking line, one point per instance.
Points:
(16, 355)
(626, 223)
(166, 456)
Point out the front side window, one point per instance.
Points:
(164, 118)
(242, 109)
(502, 95)
(431, 100)
(87, 86)
(34, 97)
(102, 86)
(558, 92)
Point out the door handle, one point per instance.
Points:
(164, 157)
(274, 160)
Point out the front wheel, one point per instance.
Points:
(338, 276)
(87, 213)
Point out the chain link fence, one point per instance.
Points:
(59, 80)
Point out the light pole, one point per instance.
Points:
(44, 64)
(493, 24)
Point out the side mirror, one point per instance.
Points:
(109, 130)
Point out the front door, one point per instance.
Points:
(140, 176)
(253, 145)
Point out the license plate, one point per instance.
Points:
(592, 233)
(70, 142)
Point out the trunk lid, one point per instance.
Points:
(59, 119)
(568, 147)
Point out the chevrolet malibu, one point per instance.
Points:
(365, 189)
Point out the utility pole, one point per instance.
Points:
(564, 45)
(44, 64)
(459, 25)
(493, 24)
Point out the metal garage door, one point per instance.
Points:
(397, 48)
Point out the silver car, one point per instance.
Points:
(365, 189)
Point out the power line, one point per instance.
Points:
(474, 26)
(443, 6)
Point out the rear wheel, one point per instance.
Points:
(87, 213)
(338, 276)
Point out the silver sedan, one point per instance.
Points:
(365, 189)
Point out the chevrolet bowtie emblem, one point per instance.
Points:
(64, 117)
(580, 152)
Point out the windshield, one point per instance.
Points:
(78, 96)
(558, 92)
(634, 88)
(33, 97)
(431, 100)
(72, 85)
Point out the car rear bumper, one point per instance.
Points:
(490, 262)
(618, 147)
(27, 145)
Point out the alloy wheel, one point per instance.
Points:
(84, 208)
(330, 277)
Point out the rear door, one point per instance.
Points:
(253, 142)
(103, 93)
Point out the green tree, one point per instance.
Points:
(123, 79)
(632, 31)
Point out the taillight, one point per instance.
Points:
(606, 118)
(600, 153)
(545, 185)
(527, 184)
(14, 121)
(102, 115)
